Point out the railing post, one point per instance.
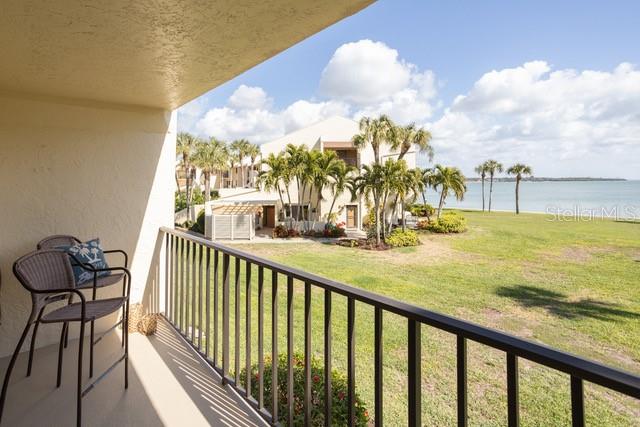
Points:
(307, 354)
(512, 391)
(216, 303)
(577, 402)
(274, 346)
(328, 393)
(378, 352)
(415, 374)
(236, 352)
(248, 328)
(225, 317)
(208, 303)
(290, 350)
(351, 361)
(260, 337)
(461, 378)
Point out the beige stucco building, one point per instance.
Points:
(335, 134)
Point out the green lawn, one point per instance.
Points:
(571, 285)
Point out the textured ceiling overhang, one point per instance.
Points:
(160, 53)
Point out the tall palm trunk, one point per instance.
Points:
(402, 214)
(333, 202)
(483, 194)
(289, 199)
(441, 204)
(207, 186)
(517, 195)
(490, 190)
(376, 200)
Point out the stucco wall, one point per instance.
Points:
(90, 170)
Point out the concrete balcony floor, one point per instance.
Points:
(168, 385)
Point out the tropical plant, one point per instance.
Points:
(399, 238)
(239, 149)
(492, 167)
(369, 184)
(403, 138)
(185, 145)
(374, 133)
(481, 170)
(324, 168)
(210, 157)
(253, 151)
(275, 174)
(298, 164)
(449, 179)
(449, 222)
(518, 170)
(392, 182)
(340, 181)
(339, 392)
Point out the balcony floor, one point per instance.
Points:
(168, 385)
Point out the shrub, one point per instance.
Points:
(399, 238)
(449, 222)
(334, 230)
(338, 392)
(422, 210)
(282, 232)
(198, 226)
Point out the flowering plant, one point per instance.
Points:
(338, 392)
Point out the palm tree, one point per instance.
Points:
(324, 168)
(369, 183)
(391, 180)
(298, 165)
(427, 180)
(340, 181)
(253, 151)
(405, 137)
(449, 179)
(185, 145)
(210, 157)
(271, 178)
(481, 170)
(239, 148)
(374, 132)
(518, 170)
(492, 167)
(408, 183)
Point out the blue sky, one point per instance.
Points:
(457, 43)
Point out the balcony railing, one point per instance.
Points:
(193, 290)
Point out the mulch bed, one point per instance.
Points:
(365, 244)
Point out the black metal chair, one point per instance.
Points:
(48, 276)
(53, 242)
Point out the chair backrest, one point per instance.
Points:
(44, 270)
(52, 242)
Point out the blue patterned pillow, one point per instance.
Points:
(88, 253)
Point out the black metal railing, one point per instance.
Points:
(188, 256)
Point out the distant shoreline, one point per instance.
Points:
(547, 179)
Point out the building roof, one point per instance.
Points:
(334, 128)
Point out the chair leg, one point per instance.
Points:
(33, 342)
(66, 335)
(91, 350)
(63, 334)
(125, 329)
(12, 362)
(79, 391)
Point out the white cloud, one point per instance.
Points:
(539, 115)
(588, 120)
(364, 72)
(250, 97)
